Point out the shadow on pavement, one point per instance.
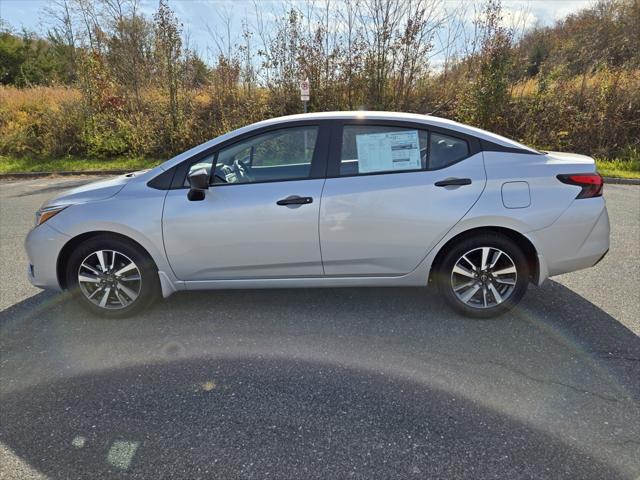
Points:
(254, 418)
(196, 396)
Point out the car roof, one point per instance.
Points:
(355, 115)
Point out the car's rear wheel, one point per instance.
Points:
(484, 275)
(112, 277)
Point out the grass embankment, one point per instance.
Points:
(73, 164)
(608, 168)
(619, 168)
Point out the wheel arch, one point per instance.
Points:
(522, 241)
(68, 248)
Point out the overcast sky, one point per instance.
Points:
(199, 17)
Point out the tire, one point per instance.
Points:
(491, 291)
(116, 293)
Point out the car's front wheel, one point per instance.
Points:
(484, 275)
(112, 277)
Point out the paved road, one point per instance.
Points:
(336, 383)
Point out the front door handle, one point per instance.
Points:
(452, 182)
(295, 200)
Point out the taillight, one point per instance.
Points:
(591, 183)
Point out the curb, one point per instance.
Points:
(622, 181)
(25, 175)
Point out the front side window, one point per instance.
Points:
(284, 154)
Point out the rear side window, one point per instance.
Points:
(445, 150)
(374, 149)
(370, 149)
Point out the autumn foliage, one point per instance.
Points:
(129, 85)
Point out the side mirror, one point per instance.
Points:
(199, 182)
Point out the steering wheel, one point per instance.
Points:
(243, 169)
(423, 156)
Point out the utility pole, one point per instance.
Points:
(304, 96)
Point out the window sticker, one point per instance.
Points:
(378, 152)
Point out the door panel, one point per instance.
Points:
(385, 224)
(239, 231)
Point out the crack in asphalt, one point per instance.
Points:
(555, 382)
(612, 356)
(533, 378)
(547, 381)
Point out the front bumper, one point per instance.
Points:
(43, 245)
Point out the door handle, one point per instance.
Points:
(453, 182)
(295, 200)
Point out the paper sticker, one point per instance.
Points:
(378, 152)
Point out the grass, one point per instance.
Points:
(619, 168)
(73, 164)
(607, 167)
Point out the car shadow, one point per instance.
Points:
(317, 383)
(569, 319)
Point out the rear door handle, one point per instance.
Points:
(453, 181)
(295, 200)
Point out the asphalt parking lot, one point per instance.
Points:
(326, 383)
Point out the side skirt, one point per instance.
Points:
(410, 280)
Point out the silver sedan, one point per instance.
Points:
(328, 200)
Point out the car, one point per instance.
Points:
(335, 199)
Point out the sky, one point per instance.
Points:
(202, 17)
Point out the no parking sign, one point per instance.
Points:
(304, 90)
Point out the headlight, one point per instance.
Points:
(46, 213)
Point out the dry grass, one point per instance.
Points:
(12, 98)
(589, 83)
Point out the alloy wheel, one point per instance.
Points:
(109, 279)
(484, 277)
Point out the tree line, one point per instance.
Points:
(108, 80)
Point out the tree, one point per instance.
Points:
(486, 102)
(129, 47)
(27, 60)
(168, 53)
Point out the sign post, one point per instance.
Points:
(304, 93)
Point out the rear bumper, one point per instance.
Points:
(43, 245)
(600, 259)
(578, 239)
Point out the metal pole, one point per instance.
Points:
(305, 132)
